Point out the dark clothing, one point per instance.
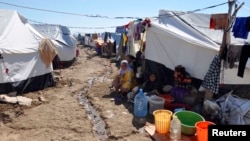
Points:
(245, 54)
(149, 86)
(241, 27)
(138, 58)
(133, 66)
(234, 53)
(178, 93)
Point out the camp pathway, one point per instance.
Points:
(61, 116)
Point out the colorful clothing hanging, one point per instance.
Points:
(218, 21)
(120, 29)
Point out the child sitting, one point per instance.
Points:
(181, 84)
(151, 86)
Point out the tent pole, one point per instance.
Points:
(226, 39)
(226, 34)
(231, 18)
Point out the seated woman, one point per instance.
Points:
(151, 86)
(181, 76)
(124, 80)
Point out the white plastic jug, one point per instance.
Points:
(156, 103)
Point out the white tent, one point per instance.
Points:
(64, 42)
(178, 38)
(20, 64)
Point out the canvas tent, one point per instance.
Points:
(64, 42)
(179, 38)
(21, 67)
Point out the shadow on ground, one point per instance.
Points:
(136, 121)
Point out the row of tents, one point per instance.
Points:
(172, 39)
(180, 38)
(26, 49)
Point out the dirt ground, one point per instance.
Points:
(60, 116)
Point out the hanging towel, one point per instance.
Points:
(212, 78)
(47, 51)
(241, 27)
(218, 21)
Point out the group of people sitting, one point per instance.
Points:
(127, 85)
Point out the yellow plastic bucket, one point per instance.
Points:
(162, 120)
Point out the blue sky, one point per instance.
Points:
(110, 8)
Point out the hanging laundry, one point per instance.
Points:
(120, 29)
(218, 21)
(88, 35)
(131, 29)
(212, 78)
(124, 40)
(245, 54)
(107, 36)
(94, 36)
(241, 27)
(234, 53)
(138, 30)
(124, 43)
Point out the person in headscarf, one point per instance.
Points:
(124, 81)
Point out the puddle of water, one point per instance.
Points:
(99, 126)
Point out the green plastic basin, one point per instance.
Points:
(188, 120)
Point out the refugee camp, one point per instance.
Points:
(125, 71)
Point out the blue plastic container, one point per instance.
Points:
(140, 104)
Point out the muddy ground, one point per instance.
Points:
(78, 108)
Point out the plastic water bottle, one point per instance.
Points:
(140, 109)
(175, 128)
(140, 104)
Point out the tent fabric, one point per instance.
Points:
(60, 35)
(201, 23)
(12, 41)
(20, 59)
(57, 32)
(27, 85)
(171, 49)
(176, 38)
